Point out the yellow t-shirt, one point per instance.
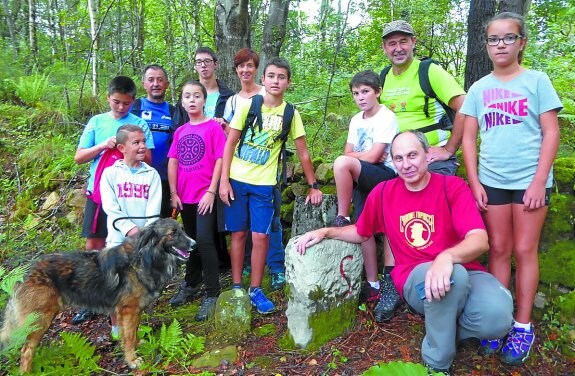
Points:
(257, 163)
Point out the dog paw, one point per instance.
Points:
(136, 363)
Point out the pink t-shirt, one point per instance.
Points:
(420, 225)
(197, 148)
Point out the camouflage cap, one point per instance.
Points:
(397, 26)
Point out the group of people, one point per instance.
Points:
(216, 160)
(435, 225)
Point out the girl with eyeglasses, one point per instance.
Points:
(514, 110)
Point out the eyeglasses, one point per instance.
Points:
(508, 39)
(204, 62)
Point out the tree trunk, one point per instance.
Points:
(32, 31)
(274, 31)
(232, 26)
(11, 30)
(517, 6)
(93, 10)
(478, 63)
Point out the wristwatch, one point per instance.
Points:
(313, 185)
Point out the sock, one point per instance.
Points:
(388, 269)
(374, 284)
(252, 289)
(115, 331)
(237, 286)
(525, 327)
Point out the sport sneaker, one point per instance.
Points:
(207, 308)
(436, 371)
(82, 316)
(185, 294)
(517, 346)
(490, 346)
(340, 221)
(263, 305)
(388, 302)
(278, 280)
(369, 294)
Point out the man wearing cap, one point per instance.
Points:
(437, 233)
(402, 93)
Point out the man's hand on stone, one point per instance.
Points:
(315, 196)
(307, 240)
(438, 277)
(438, 154)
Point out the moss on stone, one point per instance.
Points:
(287, 195)
(286, 212)
(265, 330)
(560, 221)
(316, 162)
(566, 307)
(332, 323)
(564, 173)
(328, 189)
(557, 265)
(316, 294)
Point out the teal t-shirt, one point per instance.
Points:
(211, 101)
(508, 117)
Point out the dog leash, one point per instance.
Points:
(122, 218)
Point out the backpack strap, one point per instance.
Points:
(254, 116)
(425, 85)
(383, 74)
(136, 107)
(289, 112)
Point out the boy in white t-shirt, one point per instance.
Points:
(366, 162)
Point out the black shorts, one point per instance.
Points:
(101, 231)
(372, 174)
(499, 196)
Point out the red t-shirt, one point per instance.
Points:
(420, 225)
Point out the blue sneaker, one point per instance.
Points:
(278, 280)
(263, 305)
(490, 346)
(517, 346)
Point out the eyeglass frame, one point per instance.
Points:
(206, 62)
(499, 40)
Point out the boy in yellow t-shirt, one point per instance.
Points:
(249, 175)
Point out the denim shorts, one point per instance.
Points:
(252, 208)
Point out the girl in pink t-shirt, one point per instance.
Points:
(194, 166)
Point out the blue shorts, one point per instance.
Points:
(499, 196)
(252, 209)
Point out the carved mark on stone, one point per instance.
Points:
(343, 275)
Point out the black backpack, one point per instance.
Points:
(254, 118)
(446, 121)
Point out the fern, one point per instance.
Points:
(74, 357)
(8, 280)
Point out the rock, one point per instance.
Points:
(76, 199)
(540, 300)
(309, 217)
(323, 289)
(233, 314)
(324, 173)
(214, 358)
(51, 202)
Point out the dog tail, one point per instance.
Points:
(10, 323)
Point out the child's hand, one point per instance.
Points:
(315, 196)
(534, 197)
(110, 143)
(226, 192)
(480, 196)
(175, 201)
(206, 204)
(133, 231)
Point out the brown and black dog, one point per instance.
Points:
(123, 279)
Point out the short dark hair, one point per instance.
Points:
(244, 55)
(207, 50)
(122, 85)
(196, 83)
(367, 78)
(419, 135)
(280, 63)
(154, 67)
(124, 131)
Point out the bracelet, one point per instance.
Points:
(211, 192)
(173, 193)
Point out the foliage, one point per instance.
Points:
(558, 263)
(31, 89)
(396, 369)
(169, 346)
(74, 356)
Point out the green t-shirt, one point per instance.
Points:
(403, 95)
(257, 163)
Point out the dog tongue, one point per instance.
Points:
(184, 254)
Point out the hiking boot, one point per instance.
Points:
(388, 302)
(340, 221)
(82, 316)
(369, 294)
(490, 346)
(185, 294)
(207, 308)
(278, 280)
(436, 371)
(517, 346)
(263, 305)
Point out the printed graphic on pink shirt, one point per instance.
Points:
(417, 228)
(191, 149)
(503, 107)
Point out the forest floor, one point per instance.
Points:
(366, 345)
